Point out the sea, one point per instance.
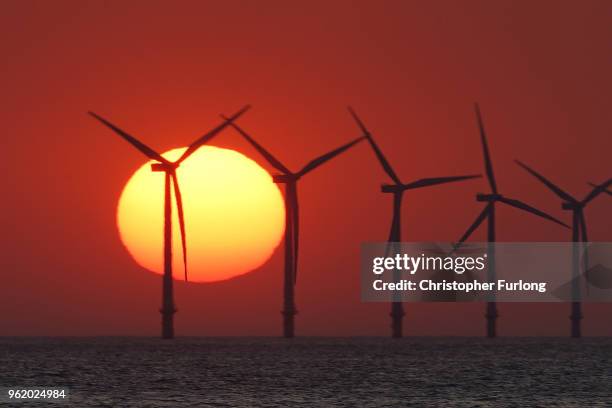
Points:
(312, 372)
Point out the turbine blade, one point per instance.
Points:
(181, 218)
(596, 185)
(358, 121)
(212, 133)
(313, 164)
(597, 191)
(426, 182)
(381, 158)
(555, 189)
(146, 150)
(296, 234)
(481, 217)
(485, 151)
(274, 162)
(522, 206)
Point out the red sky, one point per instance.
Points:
(165, 70)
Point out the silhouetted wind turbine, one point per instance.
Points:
(579, 234)
(167, 310)
(397, 189)
(292, 229)
(488, 213)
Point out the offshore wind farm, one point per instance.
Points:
(424, 129)
(306, 204)
(292, 219)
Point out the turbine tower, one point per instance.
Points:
(579, 235)
(171, 182)
(292, 229)
(488, 213)
(397, 189)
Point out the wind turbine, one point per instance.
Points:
(292, 229)
(579, 234)
(488, 213)
(397, 189)
(171, 182)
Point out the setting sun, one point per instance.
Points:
(234, 215)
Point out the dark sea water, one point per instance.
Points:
(314, 372)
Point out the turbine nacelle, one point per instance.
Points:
(489, 198)
(392, 188)
(573, 206)
(285, 178)
(165, 167)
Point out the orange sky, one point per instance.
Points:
(164, 71)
